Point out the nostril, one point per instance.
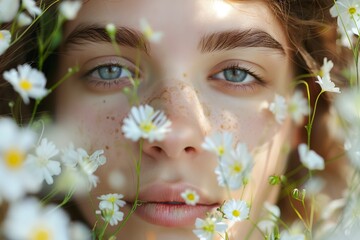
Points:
(189, 149)
(157, 149)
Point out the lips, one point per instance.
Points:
(162, 205)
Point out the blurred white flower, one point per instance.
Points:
(27, 81)
(24, 20)
(144, 122)
(69, 9)
(326, 67)
(5, 39)
(348, 107)
(234, 170)
(190, 197)
(298, 107)
(116, 179)
(149, 33)
(279, 108)
(8, 10)
(15, 178)
(111, 199)
(79, 231)
(80, 168)
(285, 235)
(31, 7)
(109, 208)
(28, 219)
(42, 164)
(310, 158)
(206, 229)
(314, 185)
(269, 222)
(219, 143)
(236, 210)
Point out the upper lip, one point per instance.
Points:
(171, 193)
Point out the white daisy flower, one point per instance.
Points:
(144, 122)
(207, 228)
(15, 177)
(219, 143)
(80, 168)
(236, 210)
(298, 107)
(24, 20)
(113, 216)
(279, 108)
(69, 9)
(8, 10)
(5, 39)
(324, 80)
(190, 197)
(43, 164)
(27, 219)
(310, 158)
(111, 199)
(149, 33)
(235, 169)
(28, 82)
(348, 14)
(30, 6)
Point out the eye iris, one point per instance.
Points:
(234, 75)
(109, 72)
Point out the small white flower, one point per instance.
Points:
(31, 7)
(348, 14)
(27, 219)
(42, 164)
(69, 9)
(207, 228)
(5, 39)
(269, 222)
(219, 143)
(15, 177)
(149, 32)
(236, 210)
(28, 82)
(8, 10)
(79, 231)
(324, 80)
(279, 108)
(298, 107)
(81, 166)
(234, 170)
(144, 122)
(111, 199)
(326, 67)
(24, 20)
(112, 216)
(310, 158)
(190, 197)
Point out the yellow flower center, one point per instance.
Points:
(41, 234)
(221, 150)
(14, 158)
(25, 84)
(236, 213)
(148, 32)
(191, 196)
(237, 168)
(112, 199)
(1, 36)
(147, 127)
(209, 228)
(352, 10)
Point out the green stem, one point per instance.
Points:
(310, 124)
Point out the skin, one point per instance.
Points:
(177, 78)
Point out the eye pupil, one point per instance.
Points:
(109, 72)
(234, 75)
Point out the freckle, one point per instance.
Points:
(107, 117)
(113, 118)
(107, 147)
(184, 75)
(104, 101)
(116, 130)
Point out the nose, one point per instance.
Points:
(188, 125)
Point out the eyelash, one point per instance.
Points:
(247, 87)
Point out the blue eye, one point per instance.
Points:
(235, 75)
(111, 72)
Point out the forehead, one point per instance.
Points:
(186, 20)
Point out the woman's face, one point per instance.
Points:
(182, 74)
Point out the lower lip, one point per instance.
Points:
(171, 215)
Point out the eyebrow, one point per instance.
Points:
(228, 40)
(94, 33)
